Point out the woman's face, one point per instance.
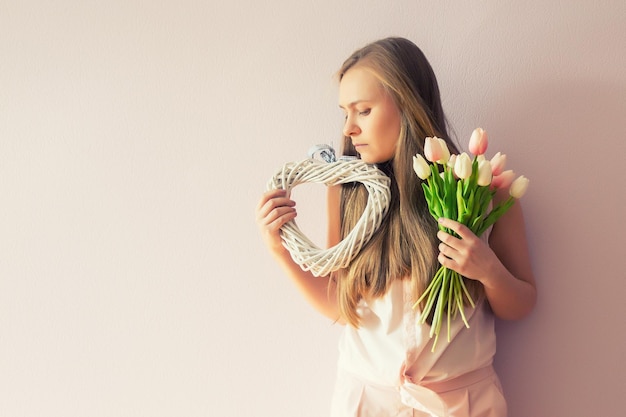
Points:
(372, 117)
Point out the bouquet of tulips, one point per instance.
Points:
(461, 188)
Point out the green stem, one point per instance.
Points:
(449, 300)
(441, 296)
(467, 294)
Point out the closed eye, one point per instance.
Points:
(365, 112)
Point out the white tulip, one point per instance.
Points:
(452, 161)
(421, 167)
(484, 173)
(463, 166)
(519, 187)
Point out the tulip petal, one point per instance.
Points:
(445, 152)
(519, 187)
(484, 173)
(498, 163)
(432, 149)
(503, 180)
(420, 166)
(478, 142)
(463, 166)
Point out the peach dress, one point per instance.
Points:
(386, 367)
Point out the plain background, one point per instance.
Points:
(136, 138)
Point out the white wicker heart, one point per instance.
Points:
(303, 251)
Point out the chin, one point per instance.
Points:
(372, 161)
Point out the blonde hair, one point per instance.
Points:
(405, 246)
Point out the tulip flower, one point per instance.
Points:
(503, 180)
(451, 161)
(421, 167)
(436, 150)
(432, 150)
(484, 173)
(519, 187)
(463, 166)
(478, 142)
(463, 191)
(497, 163)
(445, 152)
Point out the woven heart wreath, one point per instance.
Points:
(303, 251)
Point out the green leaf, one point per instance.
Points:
(460, 202)
(495, 214)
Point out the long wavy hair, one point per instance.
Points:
(405, 246)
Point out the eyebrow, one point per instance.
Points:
(354, 103)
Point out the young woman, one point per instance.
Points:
(391, 101)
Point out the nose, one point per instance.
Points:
(350, 128)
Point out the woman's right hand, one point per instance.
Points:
(274, 210)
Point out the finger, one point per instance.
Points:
(271, 202)
(271, 231)
(277, 192)
(447, 262)
(455, 226)
(278, 217)
(449, 240)
(272, 194)
(448, 251)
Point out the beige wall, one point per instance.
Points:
(135, 138)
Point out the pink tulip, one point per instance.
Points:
(436, 150)
(431, 149)
(497, 163)
(503, 180)
(478, 142)
(445, 152)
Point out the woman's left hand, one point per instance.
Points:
(468, 255)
